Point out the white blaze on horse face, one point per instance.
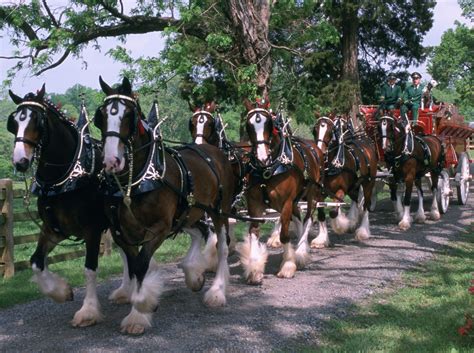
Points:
(258, 122)
(201, 123)
(384, 126)
(113, 148)
(323, 127)
(20, 152)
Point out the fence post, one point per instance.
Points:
(6, 228)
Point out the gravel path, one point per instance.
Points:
(275, 316)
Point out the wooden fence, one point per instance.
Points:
(8, 240)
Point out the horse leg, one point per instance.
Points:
(322, 240)
(405, 223)
(253, 254)
(288, 264)
(274, 240)
(90, 312)
(122, 294)
(363, 232)
(210, 249)
(354, 212)
(434, 211)
(146, 286)
(194, 264)
(339, 221)
(420, 213)
(302, 249)
(396, 200)
(216, 295)
(49, 283)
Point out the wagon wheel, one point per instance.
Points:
(442, 195)
(462, 178)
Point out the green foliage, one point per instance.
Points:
(451, 65)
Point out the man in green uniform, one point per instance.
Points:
(390, 95)
(412, 97)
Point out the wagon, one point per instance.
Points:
(445, 122)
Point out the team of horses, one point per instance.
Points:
(144, 191)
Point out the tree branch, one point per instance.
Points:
(50, 14)
(57, 63)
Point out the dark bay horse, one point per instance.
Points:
(351, 169)
(154, 192)
(410, 157)
(66, 184)
(206, 127)
(283, 170)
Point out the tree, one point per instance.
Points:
(451, 64)
(303, 51)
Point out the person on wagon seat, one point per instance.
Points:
(412, 97)
(390, 95)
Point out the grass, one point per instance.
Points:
(421, 316)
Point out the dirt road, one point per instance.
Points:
(276, 316)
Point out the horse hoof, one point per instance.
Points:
(435, 216)
(84, 323)
(287, 270)
(420, 219)
(134, 330)
(274, 242)
(255, 278)
(214, 298)
(319, 245)
(197, 285)
(361, 235)
(404, 225)
(119, 296)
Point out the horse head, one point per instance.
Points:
(27, 124)
(323, 130)
(203, 126)
(261, 130)
(119, 120)
(391, 130)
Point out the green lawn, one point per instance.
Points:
(422, 316)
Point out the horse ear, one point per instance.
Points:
(16, 99)
(126, 86)
(105, 87)
(212, 107)
(191, 105)
(248, 105)
(317, 114)
(41, 92)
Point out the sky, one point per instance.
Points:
(72, 71)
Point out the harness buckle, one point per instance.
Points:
(190, 199)
(267, 174)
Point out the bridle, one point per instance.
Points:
(41, 118)
(257, 118)
(327, 120)
(199, 115)
(115, 98)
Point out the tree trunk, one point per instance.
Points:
(250, 20)
(350, 40)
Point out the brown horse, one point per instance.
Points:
(351, 170)
(283, 170)
(410, 157)
(66, 184)
(154, 192)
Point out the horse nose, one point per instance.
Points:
(22, 165)
(111, 165)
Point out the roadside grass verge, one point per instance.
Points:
(422, 316)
